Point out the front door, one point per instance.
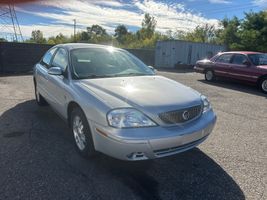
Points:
(222, 65)
(42, 75)
(57, 85)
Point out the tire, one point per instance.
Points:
(209, 75)
(82, 136)
(263, 85)
(38, 97)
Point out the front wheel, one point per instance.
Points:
(209, 75)
(263, 85)
(81, 133)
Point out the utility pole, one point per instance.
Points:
(74, 29)
(9, 25)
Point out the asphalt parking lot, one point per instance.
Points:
(38, 159)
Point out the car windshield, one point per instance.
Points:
(106, 62)
(258, 59)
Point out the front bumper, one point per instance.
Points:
(199, 69)
(152, 142)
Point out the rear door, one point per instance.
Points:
(242, 69)
(222, 64)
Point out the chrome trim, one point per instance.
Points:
(235, 74)
(181, 110)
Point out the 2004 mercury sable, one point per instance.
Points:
(116, 104)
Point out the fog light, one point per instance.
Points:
(137, 156)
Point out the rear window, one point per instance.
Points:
(239, 59)
(258, 59)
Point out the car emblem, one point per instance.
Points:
(185, 115)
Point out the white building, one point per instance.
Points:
(171, 53)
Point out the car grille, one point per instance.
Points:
(178, 149)
(180, 116)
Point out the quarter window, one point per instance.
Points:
(239, 59)
(225, 58)
(47, 57)
(60, 59)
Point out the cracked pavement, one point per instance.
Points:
(38, 159)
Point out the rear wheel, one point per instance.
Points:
(38, 97)
(81, 133)
(263, 85)
(209, 75)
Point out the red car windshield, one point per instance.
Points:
(258, 59)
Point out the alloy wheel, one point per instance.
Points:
(79, 134)
(264, 85)
(209, 75)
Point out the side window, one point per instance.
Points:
(61, 59)
(239, 59)
(47, 57)
(225, 58)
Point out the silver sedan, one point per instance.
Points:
(117, 105)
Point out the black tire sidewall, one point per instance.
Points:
(89, 149)
(41, 101)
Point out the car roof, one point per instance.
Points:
(70, 46)
(241, 52)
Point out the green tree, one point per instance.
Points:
(120, 33)
(59, 39)
(97, 34)
(148, 27)
(206, 33)
(84, 36)
(3, 40)
(228, 35)
(253, 32)
(96, 30)
(51, 40)
(37, 37)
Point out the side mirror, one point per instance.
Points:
(246, 63)
(55, 71)
(153, 69)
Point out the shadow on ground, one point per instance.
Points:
(38, 160)
(234, 85)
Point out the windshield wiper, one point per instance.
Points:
(132, 74)
(94, 76)
(113, 75)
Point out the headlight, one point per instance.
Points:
(128, 118)
(206, 104)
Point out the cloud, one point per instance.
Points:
(48, 29)
(109, 3)
(172, 16)
(220, 1)
(261, 3)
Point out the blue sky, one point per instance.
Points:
(55, 16)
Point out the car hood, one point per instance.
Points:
(153, 94)
(264, 67)
(204, 61)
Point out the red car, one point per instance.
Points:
(244, 66)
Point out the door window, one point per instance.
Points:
(239, 59)
(225, 58)
(60, 59)
(48, 56)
